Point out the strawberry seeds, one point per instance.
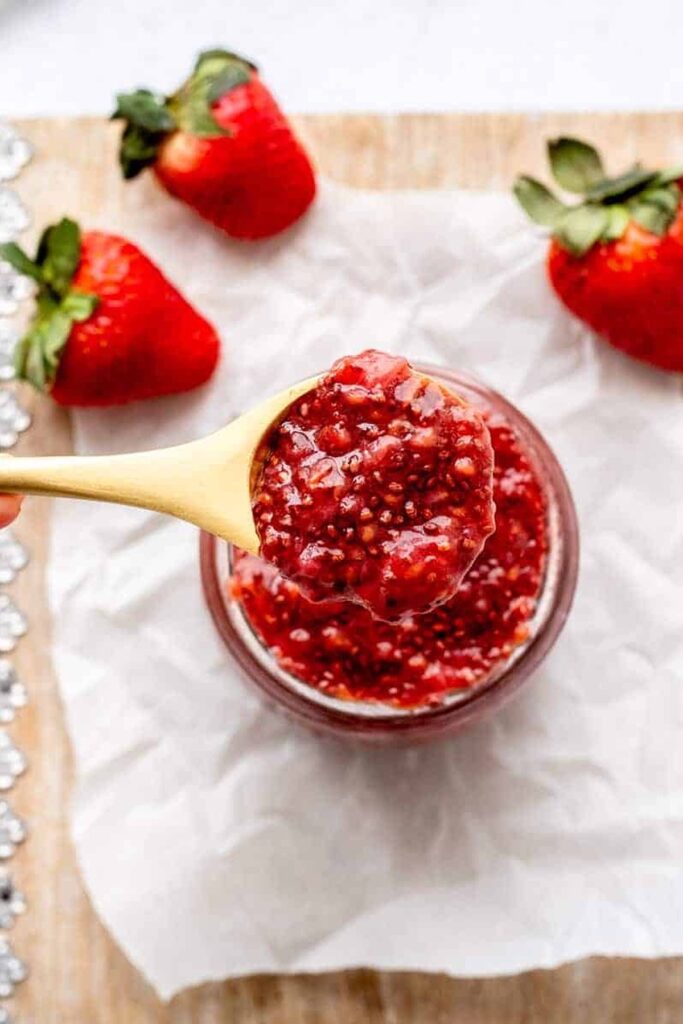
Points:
(376, 487)
(341, 650)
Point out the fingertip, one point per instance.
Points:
(10, 506)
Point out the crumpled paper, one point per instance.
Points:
(215, 837)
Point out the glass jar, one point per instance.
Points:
(459, 708)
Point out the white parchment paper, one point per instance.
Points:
(218, 839)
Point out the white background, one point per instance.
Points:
(71, 56)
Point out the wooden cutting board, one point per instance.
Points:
(78, 974)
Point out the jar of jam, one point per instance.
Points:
(335, 667)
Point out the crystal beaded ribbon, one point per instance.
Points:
(15, 153)
(12, 902)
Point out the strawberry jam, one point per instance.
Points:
(376, 487)
(343, 651)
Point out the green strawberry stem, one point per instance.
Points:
(58, 305)
(149, 117)
(607, 205)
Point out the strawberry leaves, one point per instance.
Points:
(144, 109)
(581, 227)
(618, 218)
(650, 198)
(149, 117)
(62, 247)
(79, 306)
(576, 166)
(37, 356)
(58, 305)
(216, 73)
(148, 122)
(538, 202)
(618, 189)
(12, 254)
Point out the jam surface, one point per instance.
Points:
(342, 650)
(376, 487)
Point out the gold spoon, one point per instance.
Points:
(206, 482)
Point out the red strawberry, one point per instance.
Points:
(222, 145)
(108, 328)
(616, 257)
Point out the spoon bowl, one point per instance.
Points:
(205, 482)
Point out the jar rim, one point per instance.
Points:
(460, 706)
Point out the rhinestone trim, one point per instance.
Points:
(15, 153)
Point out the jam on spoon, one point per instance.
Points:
(376, 487)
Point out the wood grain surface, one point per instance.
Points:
(78, 974)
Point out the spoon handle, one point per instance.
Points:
(139, 479)
(197, 482)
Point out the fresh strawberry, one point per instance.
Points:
(222, 145)
(108, 327)
(616, 257)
